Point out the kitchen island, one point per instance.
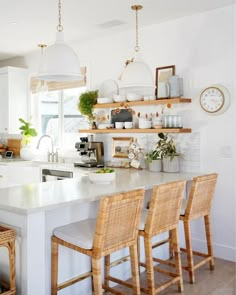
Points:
(36, 209)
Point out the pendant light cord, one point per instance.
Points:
(136, 8)
(59, 27)
(136, 48)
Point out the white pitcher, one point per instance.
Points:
(175, 87)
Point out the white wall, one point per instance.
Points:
(201, 46)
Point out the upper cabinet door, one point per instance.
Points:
(14, 90)
(3, 102)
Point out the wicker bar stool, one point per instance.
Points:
(163, 216)
(115, 228)
(199, 205)
(7, 239)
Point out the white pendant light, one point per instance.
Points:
(136, 72)
(59, 61)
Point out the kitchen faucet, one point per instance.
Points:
(51, 156)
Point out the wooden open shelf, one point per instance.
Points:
(143, 102)
(137, 130)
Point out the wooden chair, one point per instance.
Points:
(163, 216)
(116, 228)
(7, 239)
(199, 205)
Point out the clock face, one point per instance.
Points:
(212, 99)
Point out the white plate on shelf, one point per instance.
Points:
(108, 88)
(104, 100)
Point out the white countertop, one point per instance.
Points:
(37, 197)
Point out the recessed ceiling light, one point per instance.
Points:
(13, 23)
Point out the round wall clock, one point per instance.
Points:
(215, 99)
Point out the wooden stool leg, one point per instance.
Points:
(138, 249)
(135, 269)
(209, 241)
(11, 249)
(97, 278)
(149, 266)
(189, 251)
(178, 266)
(54, 271)
(170, 245)
(107, 270)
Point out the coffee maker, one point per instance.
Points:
(91, 152)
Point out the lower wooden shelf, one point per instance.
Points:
(137, 130)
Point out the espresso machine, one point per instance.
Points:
(91, 153)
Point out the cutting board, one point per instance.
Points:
(14, 145)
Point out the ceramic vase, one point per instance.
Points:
(171, 165)
(155, 166)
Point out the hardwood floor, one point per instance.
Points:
(221, 281)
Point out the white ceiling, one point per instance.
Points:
(25, 23)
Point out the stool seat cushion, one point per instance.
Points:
(79, 233)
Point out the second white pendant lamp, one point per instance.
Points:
(136, 72)
(59, 61)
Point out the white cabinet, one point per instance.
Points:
(13, 98)
(16, 174)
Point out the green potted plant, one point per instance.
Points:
(27, 131)
(154, 159)
(87, 100)
(170, 155)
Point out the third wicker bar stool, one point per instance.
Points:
(199, 205)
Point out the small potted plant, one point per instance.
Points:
(27, 132)
(87, 100)
(170, 156)
(154, 159)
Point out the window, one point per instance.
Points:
(55, 112)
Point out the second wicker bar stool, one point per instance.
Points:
(199, 205)
(163, 216)
(116, 228)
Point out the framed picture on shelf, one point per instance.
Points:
(120, 146)
(162, 77)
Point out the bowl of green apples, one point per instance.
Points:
(103, 175)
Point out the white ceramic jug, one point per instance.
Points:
(175, 87)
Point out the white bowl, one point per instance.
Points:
(101, 177)
(105, 126)
(119, 98)
(144, 124)
(105, 100)
(134, 97)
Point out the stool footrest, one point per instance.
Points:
(195, 252)
(119, 261)
(165, 272)
(160, 243)
(202, 262)
(74, 280)
(118, 281)
(112, 290)
(10, 292)
(165, 262)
